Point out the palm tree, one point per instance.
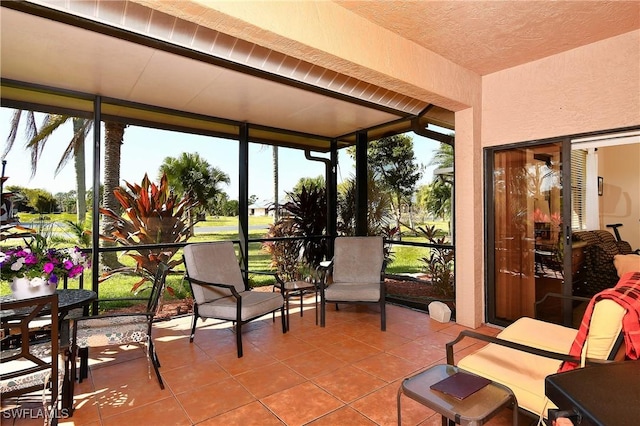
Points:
(113, 139)
(114, 136)
(439, 196)
(191, 175)
(36, 141)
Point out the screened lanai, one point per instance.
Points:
(328, 74)
(127, 68)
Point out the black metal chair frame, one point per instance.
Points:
(326, 272)
(238, 322)
(156, 291)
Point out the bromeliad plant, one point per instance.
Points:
(152, 215)
(36, 260)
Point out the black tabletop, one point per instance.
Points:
(607, 394)
(67, 299)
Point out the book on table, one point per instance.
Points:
(460, 385)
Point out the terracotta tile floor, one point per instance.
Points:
(347, 373)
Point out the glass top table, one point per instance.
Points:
(475, 409)
(68, 299)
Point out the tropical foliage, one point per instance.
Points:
(378, 207)
(436, 197)
(305, 219)
(36, 141)
(191, 175)
(439, 264)
(152, 215)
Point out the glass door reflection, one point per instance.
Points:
(528, 240)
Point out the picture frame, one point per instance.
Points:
(600, 185)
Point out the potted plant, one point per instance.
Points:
(35, 270)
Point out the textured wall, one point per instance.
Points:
(595, 87)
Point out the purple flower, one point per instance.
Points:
(67, 264)
(48, 267)
(53, 279)
(30, 259)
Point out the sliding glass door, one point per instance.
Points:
(526, 237)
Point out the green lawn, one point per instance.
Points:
(405, 259)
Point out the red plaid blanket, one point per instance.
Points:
(627, 294)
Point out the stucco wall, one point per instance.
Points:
(591, 88)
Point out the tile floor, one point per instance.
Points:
(347, 373)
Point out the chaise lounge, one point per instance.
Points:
(527, 351)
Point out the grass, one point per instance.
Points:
(405, 259)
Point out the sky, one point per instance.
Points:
(144, 150)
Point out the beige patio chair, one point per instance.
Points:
(219, 291)
(355, 275)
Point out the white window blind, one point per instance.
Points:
(578, 189)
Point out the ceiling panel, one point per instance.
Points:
(93, 63)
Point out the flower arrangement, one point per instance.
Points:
(37, 261)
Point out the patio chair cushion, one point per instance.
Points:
(523, 372)
(254, 304)
(349, 264)
(626, 263)
(363, 292)
(115, 330)
(225, 268)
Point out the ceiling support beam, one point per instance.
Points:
(440, 137)
(361, 184)
(243, 200)
(95, 225)
(332, 199)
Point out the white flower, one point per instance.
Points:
(18, 264)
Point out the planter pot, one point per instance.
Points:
(25, 288)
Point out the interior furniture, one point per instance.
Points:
(600, 395)
(70, 301)
(475, 409)
(599, 272)
(355, 275)
(219, 290)
(119, 329)
(31, 362)
(523, 354)
(296, 289)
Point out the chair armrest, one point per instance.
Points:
(229, 287)
(516, 346)
(274, 274)
(323, 270)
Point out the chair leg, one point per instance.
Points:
(68, 384)
(239, 338)
(84, 363)
(156, 362)
(286, 310)
(193, 327)
(285, 322)
(383, 315)
(301, 303)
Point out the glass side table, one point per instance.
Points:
(475, 409)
